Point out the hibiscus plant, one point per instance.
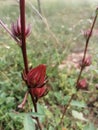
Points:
(36, 78)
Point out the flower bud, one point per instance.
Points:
(36, 77)
(82, 84)
(86, 33)
(39, 92)
(87, 62)
(16, 29)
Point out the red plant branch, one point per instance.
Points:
(35, 109)
(86, 46)
(81, 70)
(22, 17)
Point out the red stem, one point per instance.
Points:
(35, 109)
(22, 17)
(81, 70)
(86, 46)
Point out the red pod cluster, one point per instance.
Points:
(39, 92)
(36, 81)
(16, 29)
(82, 84)
(87, 33)
(87, 62)
(36, 77)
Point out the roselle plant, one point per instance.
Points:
(36, 78)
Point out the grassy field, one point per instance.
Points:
(53, 38)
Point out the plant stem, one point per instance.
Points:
(86, 46)
(35, 109)
(22, 16)
(65, 109)
(81, 70)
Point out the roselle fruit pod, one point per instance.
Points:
(39, 92)
(36, 77)
(82, 84)
(87, 62)
(86, 33)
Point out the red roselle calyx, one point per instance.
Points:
(87, 62)
(82, 84)
(36, 80)
(16, 29)
(87, 33)
(36, 77)
(39, 92)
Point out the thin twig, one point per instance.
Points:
(11, 34)
(24, 101)
(46, 23)
(65, 109)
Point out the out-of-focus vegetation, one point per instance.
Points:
(51, 42)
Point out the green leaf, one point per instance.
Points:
(51, 128)
(58, 96)
(78, 103)
(22, 115)
(36, 114)
(97, 11)
(71, 81)
(90, 126)
(65, 100)
(78, 115)
(28, 123)
(41, 109)
(15, 116)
